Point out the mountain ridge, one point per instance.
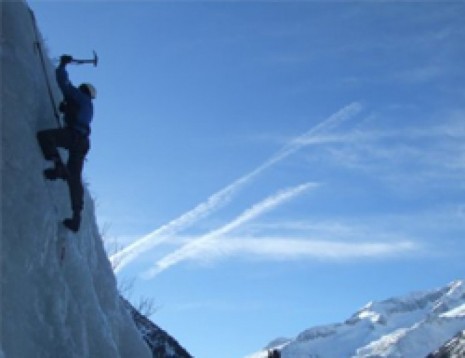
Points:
(412, 325)
(454, 348)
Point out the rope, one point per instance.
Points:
(37, 44)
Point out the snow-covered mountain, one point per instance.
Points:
(454, 348)
(409, 326)
(58, 295)
(160, 343)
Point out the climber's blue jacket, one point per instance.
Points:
(79, 108)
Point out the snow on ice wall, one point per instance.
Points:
(47, 308)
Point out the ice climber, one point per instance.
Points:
(77, 108)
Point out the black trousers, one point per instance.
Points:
(77, 146)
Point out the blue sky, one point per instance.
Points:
(272, 165)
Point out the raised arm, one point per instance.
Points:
(69, 91)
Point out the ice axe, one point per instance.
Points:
(94, 61)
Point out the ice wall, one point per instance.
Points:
(48, 308)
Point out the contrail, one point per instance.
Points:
(194, 247)
(220, 198)
(292, 249)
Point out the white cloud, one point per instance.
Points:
(286, 249)
(420, 74)
(433, 149)
(197, 246)
(222, 197)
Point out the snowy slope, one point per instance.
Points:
(160, 343)
(454, 348)
(48, 308)
(410, 326)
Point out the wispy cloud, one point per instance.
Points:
(199, 245)
(420, 74)
(433, 150)
(222, 197)
(289, 249)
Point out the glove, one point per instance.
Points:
(65, 59)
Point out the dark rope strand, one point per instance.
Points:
(44, 68)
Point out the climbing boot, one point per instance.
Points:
(73, 223)
(58, 172)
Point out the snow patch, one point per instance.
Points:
(409, 326)
(455, 312)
